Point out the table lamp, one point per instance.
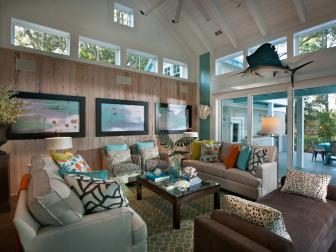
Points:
(56, 144)
(271, 126)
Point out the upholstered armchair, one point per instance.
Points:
(121, 169)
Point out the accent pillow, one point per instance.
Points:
(243, 158)
(150, 153)
(210, 152)
(230, 160)
(115, 147)
(119, 157)
(314, 186)
(57, 156)
(143, 145)
(102, 174)
(75, 163)
(257, 157)
(97, 195)
(261, 215)
(196, 149)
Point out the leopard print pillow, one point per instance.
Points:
(261, 215)
(314, 186)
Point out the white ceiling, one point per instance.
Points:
(252, 22)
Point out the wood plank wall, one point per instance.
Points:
(60, 76)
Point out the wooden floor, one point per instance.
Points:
(7, 230)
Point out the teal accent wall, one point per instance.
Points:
(204, 81)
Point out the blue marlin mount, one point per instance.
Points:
(266, 59)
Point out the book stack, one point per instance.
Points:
(194, 182)
(161, 177)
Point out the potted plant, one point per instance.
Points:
(176, 151)
(10, 108)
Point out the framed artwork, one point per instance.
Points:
(172, 118)
(121, 117)
(49, 115)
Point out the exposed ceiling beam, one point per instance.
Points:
(223, 25)
(202, 10)
(166, 24)
(152, 8)
(178, 11)
(258, 17)
(301, 10)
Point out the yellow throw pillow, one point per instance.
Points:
(58, 156)
(196, 148)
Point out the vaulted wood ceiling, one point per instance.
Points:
(253, 21)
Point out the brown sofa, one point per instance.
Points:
(311, 225)
(238, 181)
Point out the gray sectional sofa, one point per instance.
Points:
(120, 229)
(238, 181)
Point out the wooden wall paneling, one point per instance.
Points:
(60, 76)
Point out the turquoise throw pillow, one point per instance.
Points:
(243, 157)
(116, 147)
(144, 145)
(102, 174)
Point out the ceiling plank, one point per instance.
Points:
(258, 17)
(166, 24)
(221, 22)
(301, 10)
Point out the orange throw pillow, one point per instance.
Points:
(231, 159)
(24, 182)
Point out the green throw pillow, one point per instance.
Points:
(243, 157)
(102, 174)
(196, 148)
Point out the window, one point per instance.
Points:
(315, 39)
(279, 44)
(123, 15)
(175, 68)
(141, 61)
(98, 51)
(230, 63)
(29, 35)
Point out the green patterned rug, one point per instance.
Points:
(157, 213)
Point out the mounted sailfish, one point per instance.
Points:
(266, 59)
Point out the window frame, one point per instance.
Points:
(183, 68)
(308, 31)
(39, 28)
(142, 54)
(126, 9)
(232, 55)
(100, 44)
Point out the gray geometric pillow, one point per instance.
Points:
(312, 186)
(261, 215)
(257, 157)
(96, 195)
(119, 157)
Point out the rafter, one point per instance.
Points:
(258, 17)
(301, 10)
(220, 20)
(152, 8)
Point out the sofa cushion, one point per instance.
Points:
(242, 177)
(215, 168)
(225, 151)
(271, 154)
(139, 228)
(119, 156)
(230, 160)
(310, 223)
(96, 194)
(50, 200)
(264, 216)
(310, 185)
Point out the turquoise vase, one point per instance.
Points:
(175, 169)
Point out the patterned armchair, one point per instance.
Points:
(151, 158)
(121, 170)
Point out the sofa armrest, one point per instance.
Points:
(211, 236)
(103, 230)
(267, 172)
(164, 156)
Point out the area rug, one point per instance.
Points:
(157, 213)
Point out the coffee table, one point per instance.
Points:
(178, 197)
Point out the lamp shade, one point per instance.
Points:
(59, 143)
(190, 134)
(270, 125)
